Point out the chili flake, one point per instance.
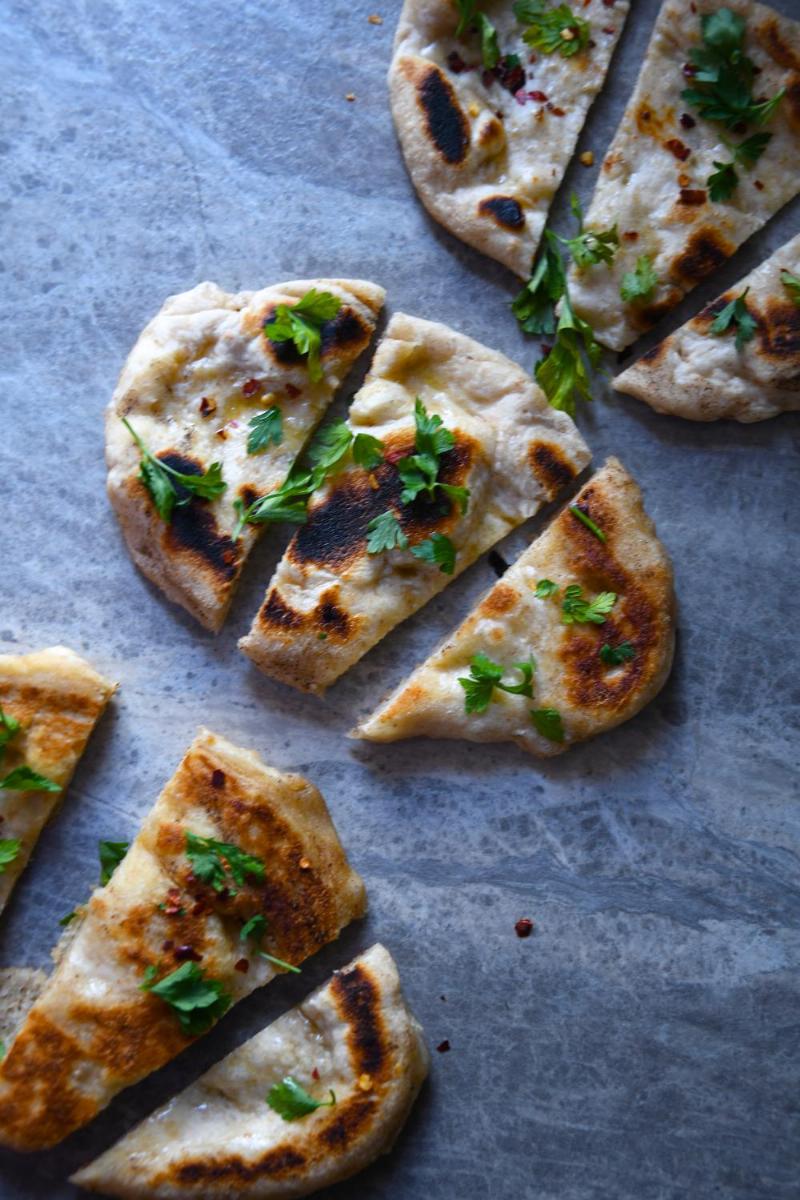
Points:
(524, 927)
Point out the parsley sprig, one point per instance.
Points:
(735, 315)
(9, 851)
(552, 30)
(548, 723)
(419, 472)
(163, 481)
(385, 532)
(722, 182)
(9, 728)
(470, 17)
(111, 855)
(640, 283)
(577, 610)
(590, 246)
(534, 306)
(255, 930)
(217, 863)
(563, 374)
(615, 656)
(792, 284)
(302, 324)
(23, 779)
(266, 428)
(723, 75)
(197, 1000)
(291, 1100)
(485, 675)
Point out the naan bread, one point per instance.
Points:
(219, 1139)
(487, 161)
(658, 198)
(511, 625)
(199, 371)
(57, 699)
(93, 1031)
(703, 377)
(329, 600)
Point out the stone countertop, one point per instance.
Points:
(642, 1044)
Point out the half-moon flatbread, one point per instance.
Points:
(329, 600)
(199, 372)
(704, 377)
(220, 1139)
(653, 181)
(93, 1030)
(486, 160)
(57, 698)
(511, 625)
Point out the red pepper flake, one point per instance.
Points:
(217, 778)
(315, 1074)
(168, 944)
(222, 434)
(186, 954)
(531, 58)
(456, 63)
(692, 196)
(608, 30)
(443, 1047)
(208, 406)
(689, 70)
(555, 110)
(172, 904)
(487, 78)
(521, 97)
(540, 96)
(608, 3)
(199, 908)
(631, 235)
(758, 184)
(676, 147)
(242, 965)
(687, 121)
(524, 927)
(693, 7)
(251, 387)
(292, 391)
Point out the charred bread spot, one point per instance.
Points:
(358, 1000)
(248, 494)
(713, 309)
(286, 352)
(504, 211)
(193, 528)
(771, 39)
(550, 467)
(654, 354)
(491, 131)
(706, 251)
(332, 619)
(342, 1129)
(792, 101)
(281, 1161)
(502, 599)
(779, 330)
(275, 613)
(345, 333)
(447, 126)
(645, 316)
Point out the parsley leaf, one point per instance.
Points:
(255, 928)
(562, 374)
(466, 15)
(588, 522)
(471, 18)
(419, 472)
(792, 282)
(111, 855)
(330, 446)
(736, 314)
(723, 74)
(2, 1049)
(265, 427)
(368, 451)
(289, 502)
(589, 246)
(385, 533)
(68, 918)
(9, 728)
(575, 610)
(162, 481)
(197, 1000)
(750, 150)
(438, 550)
(614, 656)
(552, 29)
(722, 183)
(485, 676)
(639, 283)
(534, 306)
(291, 1100)
(548, 723)
(9, 849)
(213, 862)
(23, 779)
(302, 324)
(545, 588)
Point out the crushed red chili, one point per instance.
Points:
(172, 905)
(208, 406)
(186, 954)
(692, 196)
(443, 1047)
(242, 965)
(555, 110)
(758, 184)
(524, 927)
(676, 147)
(540, 96)
(631, 235)
(315, 1074)
(251, 387)
(456, 63)
(292, 391)
(687, 121)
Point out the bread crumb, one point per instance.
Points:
(474, 110)
(587, 158)
(350, 96)
(365, 1083)
(374, 19)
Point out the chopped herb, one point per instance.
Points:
(486, 675)
(385, 533)
(68, 918)
(735, 315)
(162, 481)
(291, 1100)
(438, 550)
(792, 282)
(590, 246)
(255, 928)
(419, 472)
(723, 75)
(639, 283)
(9, 850)
(545, 588)
(330, 446)
(111, 855)
(587, 521)
(278, 962)
(289, 502)
(534, 306)
(9, 728)
(722, 183)
(198, 1001)
(466, 15)
(575, 610)
(2, 1049)
(552, 29)
(614, 656)
(23, 779)
(548, 723)
(490, 50)
(265, 427)
(750, 150)
(214, 862)
(302, 324)
(562, 374)
(368, 451)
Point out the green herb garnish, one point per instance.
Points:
(614, 656)
(792, 283)
(485, 675)
(162, 481)
(587, 521)
(9, 850)
(723, 181)
(198, 1001)
(722, 83)
(545, 588)
(562, 374)
(302, 324)
(385, 532)
(735, 315)
(111, 855)
(368, 451)
(639, 283)
(23, 779)
(552, 29)
(216, 863)
(576, 610)
(9, 728)
(590, 246)
(437, 550)
(548, 723)
(291, 1100)
(330, 446)
(419, 472)
(68, 918)
(265, 428)
(534, 306)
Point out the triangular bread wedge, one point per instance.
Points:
(200, 371)
(511, 625)
(330, 600)
(57, 699)
(93, 1030)
(652, 184)
(704, 377)
(220, 1138)
(487, 151)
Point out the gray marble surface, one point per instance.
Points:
(642, 1045)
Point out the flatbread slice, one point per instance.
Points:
(576, 693)
(200, 371)
(705, 377)
(94, 1029)
(487, 150)
(330, 600)
(56, 699)
(653, 182)
(219, 1138)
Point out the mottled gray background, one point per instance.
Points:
(642, 1045)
